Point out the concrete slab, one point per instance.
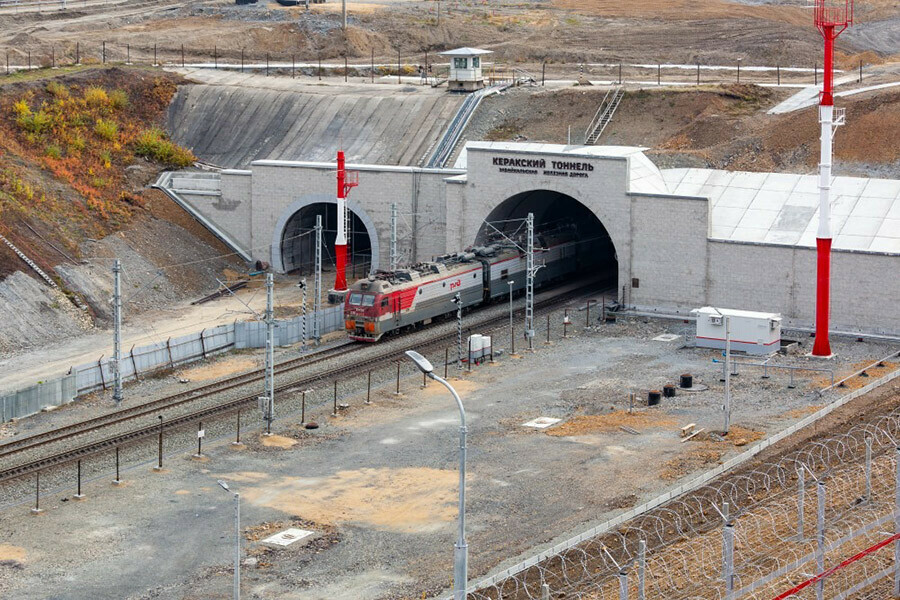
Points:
(230, 118)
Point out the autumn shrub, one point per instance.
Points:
(152, 144)
(96, 97)
(53, 151)
(118, 99)
(106, 129)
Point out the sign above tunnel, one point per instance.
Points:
(541, 166)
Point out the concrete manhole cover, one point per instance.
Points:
(287, 537)
(541, 422)
(666, 337)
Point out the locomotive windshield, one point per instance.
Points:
(357, 299)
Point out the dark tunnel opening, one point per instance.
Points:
(555, 213)
(298, 241)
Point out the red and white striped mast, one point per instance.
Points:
(345, 181)
(831, 19)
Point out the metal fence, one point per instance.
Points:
(582, 567)
(144, 360)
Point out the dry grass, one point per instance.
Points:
(588, 424)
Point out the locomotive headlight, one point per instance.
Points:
(350, 325)
(369, 327)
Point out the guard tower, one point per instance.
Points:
(465, 69)
(832, 17)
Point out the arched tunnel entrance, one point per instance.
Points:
(556, 216)
(298, 241)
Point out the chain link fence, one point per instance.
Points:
(145, 360)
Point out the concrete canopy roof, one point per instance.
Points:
(782, 208)
(466, 52)
(643, 176)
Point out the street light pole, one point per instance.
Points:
(237, 539)
(460, 548)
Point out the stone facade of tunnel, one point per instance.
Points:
(667, 260)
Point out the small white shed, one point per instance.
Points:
(751, 332)
(465, 69)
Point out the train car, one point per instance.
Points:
(393, 300)
(389, 301)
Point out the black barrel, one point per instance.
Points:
(653, 397)
(669, 390)
(687, 380)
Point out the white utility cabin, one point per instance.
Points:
(751, 332)
(465, 69)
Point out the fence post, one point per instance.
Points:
(215, 56)
(587, 315)
(242, 60)
(620, 73)
(897, 523)
(860, 72)
(320, 79)
(397, 393)
(293, 65)
(369, 387)
(202, 343)
(642, 567)
(79, 495)
(820, 539)
(801, 498)
(127, 54)
(155, 62)
(117, 480)
(159, 466)
(545, 591)
(182, 56)
(868, 469)
(398, 66)
(134, 364)
(267, 64)
(698, 73)
(658, 74)
(104, 53)
(37, 494)
(729, 561)
(543, 72)
(100, 367)
(778, 70)
(334, 412)
(372, 66)
(446, 359)
(345, 80)
(77, 53)
(169, 349)
(303, 407)
(623, 585)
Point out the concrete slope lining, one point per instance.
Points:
(231, 126)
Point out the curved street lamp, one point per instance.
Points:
(460, 549)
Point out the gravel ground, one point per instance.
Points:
(378, 482)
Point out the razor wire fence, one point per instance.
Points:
(150, 359)
(822, 521)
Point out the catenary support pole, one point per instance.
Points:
(117, 331)
(530, 270)
(270, 352)
(317, 291)
(237, 546)
(303, 325)
(394, 257)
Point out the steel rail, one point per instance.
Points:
(22, 444)
(224, 408)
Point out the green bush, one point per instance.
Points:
(108, 130)
(76, 144)
(153, 144)
(53, 151)
(118, 99)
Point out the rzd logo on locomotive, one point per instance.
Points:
(455, 284)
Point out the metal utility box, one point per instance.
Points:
(751, 332)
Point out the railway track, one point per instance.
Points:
(82, 449)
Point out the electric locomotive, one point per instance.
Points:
(389, 301)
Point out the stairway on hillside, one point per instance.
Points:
(604, 115)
